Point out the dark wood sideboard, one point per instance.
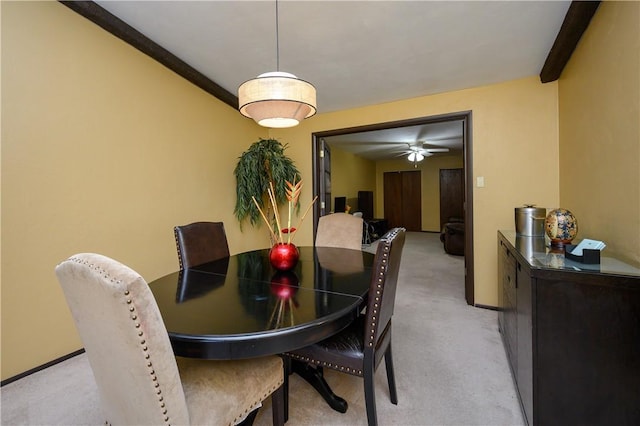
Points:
(571, 332)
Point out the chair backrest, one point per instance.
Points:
(339, 230)
(200, 242)
(125, 340)
(382, 290)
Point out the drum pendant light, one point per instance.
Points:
(277, 99)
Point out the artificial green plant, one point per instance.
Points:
(263, 163)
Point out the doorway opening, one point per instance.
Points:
(322, 175)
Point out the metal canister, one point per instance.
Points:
(530, 220)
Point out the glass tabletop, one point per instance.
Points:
(321, 268)
(241, 307)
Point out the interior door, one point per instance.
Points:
(393, 198)
(451, 194)
(403, 199)
(325, 182)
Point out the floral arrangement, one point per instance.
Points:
(292, 191)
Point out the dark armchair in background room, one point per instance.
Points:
(452, 236)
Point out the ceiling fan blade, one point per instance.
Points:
(434, 150)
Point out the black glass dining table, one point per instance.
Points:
(241, 307)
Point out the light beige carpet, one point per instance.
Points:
(450, 364)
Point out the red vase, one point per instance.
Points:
(284, 256)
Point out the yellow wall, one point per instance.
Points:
(103, 150)
(349, 174)
(515, 148)
(599, 96)
(429, 185)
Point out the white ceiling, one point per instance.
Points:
(356, 53)
(397, 142)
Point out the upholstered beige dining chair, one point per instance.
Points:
(359, 348)
(139, 380)
(339, 230)
(200, 242)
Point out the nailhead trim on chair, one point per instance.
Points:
(376, 305)
(325, 364)
(137, 325)
(175, 235)
(381, 274)
(147, 356)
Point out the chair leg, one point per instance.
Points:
(248, 421)
(287, 372)
(391, 377)
(370, 394)
(277, 406)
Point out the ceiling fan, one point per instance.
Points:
(417, 153)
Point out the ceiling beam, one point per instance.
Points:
(130, 35)
(574, 25)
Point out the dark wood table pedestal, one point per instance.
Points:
(315, 377)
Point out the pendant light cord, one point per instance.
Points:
(277, 41)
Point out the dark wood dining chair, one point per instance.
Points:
(200, 242)
(359, 348)
(139, 380)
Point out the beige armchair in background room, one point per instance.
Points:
(339, 230)
(139, 380)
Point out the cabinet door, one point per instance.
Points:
(507, 296)
(501, 267)
(524, 371)
(588, 350)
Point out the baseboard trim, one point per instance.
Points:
(491, 308)
(41, 367)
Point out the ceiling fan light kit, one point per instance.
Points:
(277, 99)
(415, 157)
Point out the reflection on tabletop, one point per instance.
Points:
(284, 285)
(340, 261)
(192, 284)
